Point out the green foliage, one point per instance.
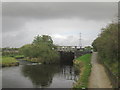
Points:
(8, 61)
(18, 56)
(107, 46)
(43, 39)
(41, 48)
(88, 48)
(40, 75)
(84, 63)
(10, 51)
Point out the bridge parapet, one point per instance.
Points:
(67, 48)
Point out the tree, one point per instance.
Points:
(88, 48)
(107, 46)
(41, 48)
(43, 39)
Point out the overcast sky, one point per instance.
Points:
(63, 21)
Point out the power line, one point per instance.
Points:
(80, 41)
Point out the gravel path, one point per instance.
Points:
(98, 77)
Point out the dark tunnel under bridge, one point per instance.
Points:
(69, 53)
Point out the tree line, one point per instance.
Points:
(106, 44)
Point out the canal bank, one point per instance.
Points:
(7, 61)
(83, 63)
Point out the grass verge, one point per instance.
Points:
(84, 64)
(34, 60)
(8, 61)
(19, 56)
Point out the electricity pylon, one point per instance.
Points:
(80, 41)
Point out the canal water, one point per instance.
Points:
(31, 75)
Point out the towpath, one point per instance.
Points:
(98, 77)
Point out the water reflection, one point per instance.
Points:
(42, 75)
(70, 73)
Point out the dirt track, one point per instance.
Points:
(98, 77)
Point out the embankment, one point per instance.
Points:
(8, 61)
(84, 64)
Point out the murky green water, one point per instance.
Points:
(39, 76)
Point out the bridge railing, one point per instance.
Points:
(67, 48)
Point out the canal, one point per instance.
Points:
(31, 75)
